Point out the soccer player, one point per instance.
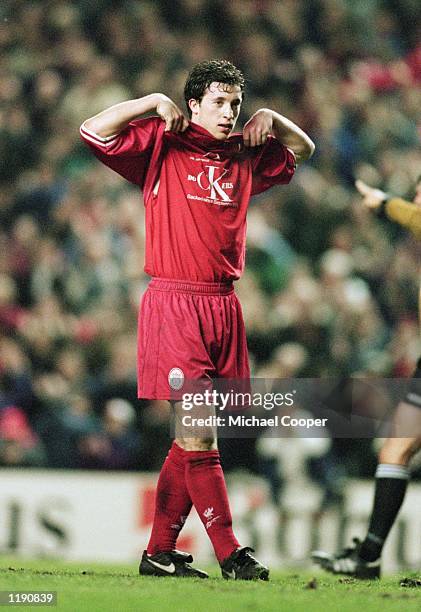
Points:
(363, 559)
(197, 179)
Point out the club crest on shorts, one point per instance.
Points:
(176, 378)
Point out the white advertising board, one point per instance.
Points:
(96, 516)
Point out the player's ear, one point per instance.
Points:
(194, 106)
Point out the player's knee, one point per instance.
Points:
(398, 451)
(197, 444)
(206, 444)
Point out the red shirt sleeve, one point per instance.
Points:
(129, 152)
(273, 164)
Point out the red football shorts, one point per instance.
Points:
(189, 331)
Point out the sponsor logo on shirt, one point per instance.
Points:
(211, 181)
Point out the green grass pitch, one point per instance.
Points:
(102, 588)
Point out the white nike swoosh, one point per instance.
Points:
(170, 569)
(231, 574)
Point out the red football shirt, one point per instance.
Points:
(196, 191)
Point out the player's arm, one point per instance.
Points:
(405, 213)
(266, 121)
(114, 119)
(125, 142)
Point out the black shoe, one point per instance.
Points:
(172, 563)
(240, 565)
(348, 562)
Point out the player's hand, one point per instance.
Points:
(174, 119)
(372, 198)
(258, 128)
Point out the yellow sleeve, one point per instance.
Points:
(405, 213)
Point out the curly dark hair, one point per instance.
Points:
(209, 71)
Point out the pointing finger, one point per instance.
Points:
(362, 187)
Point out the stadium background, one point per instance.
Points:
(329, 290)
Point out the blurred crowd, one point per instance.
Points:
(330, 290)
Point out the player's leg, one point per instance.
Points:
(205, 482)
(392, 476)
(172, 507)
(230, 362)
(172, 501)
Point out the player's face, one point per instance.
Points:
(218, 110)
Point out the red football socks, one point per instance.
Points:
(206, 485)
(172, 503)
(186, 477)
